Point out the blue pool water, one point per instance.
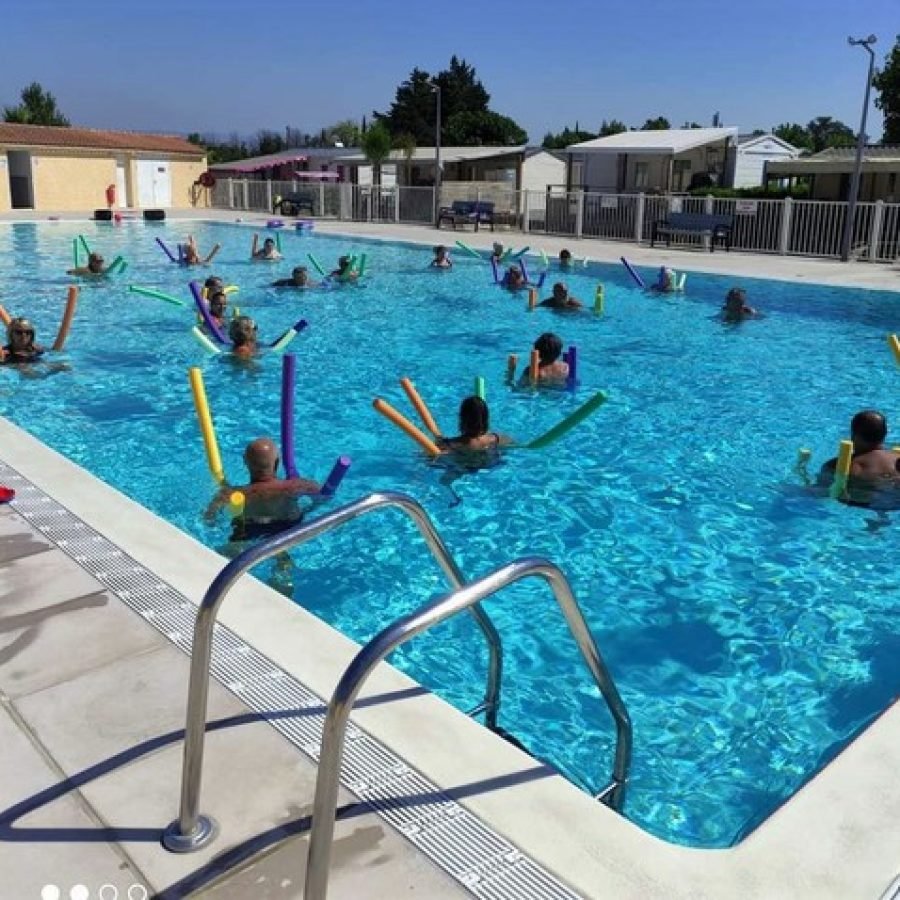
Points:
(749, 624)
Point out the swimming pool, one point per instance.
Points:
(747, 622)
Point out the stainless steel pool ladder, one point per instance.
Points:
(191, 831)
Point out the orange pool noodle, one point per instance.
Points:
(512, 363)
(406, 426)
(420, 407)
(535, 367)
(68, 315)
(532, 298)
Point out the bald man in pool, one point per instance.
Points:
(270, 502)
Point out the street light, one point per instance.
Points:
(847, 236)
(437, 151)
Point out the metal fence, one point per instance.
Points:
(798, 227)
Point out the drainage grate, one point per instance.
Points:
(455, 840)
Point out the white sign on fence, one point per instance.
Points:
(609, 202)
(746, 207)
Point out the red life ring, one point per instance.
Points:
(207, 179)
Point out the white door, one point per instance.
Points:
(154, 183)
(121, 197)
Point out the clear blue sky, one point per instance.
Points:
(225, 66)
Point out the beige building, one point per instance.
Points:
(830, 172)
(57, 168)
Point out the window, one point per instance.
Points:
(641, 174)
(681, 174)
(577, 174)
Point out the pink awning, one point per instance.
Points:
(250, 166)
(317, 176)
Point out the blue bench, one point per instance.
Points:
(467, 212)
(716, 227)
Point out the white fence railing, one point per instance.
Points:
(798, 227)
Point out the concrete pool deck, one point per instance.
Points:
(93, 700)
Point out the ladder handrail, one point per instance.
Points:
(407, 627)
(189, 831)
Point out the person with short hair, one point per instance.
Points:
(552, 371)
(513, 279)
(736, 308)
(299, 279)
(497, 252)
(268, 251)
(441, 258)
(218, 307)
(270, 503)
(242, 332)
(872, 467)
(20, 347)
(344, 272)
(561, 299)
(93, 268)
(565, 259)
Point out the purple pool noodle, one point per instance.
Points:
(298, 326)
(336, 476)
(204, 313)
(166, 250)
(288, 383)
(572, 360)
(180, 254)
(524, 269)
(631, 271)
(494, 269)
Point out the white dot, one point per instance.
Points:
(108, 892)
(79, 892)
(50, 892)
(138, 892)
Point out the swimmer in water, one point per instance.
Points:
(242, 332)
(268, 251)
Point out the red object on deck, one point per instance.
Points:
(111, 196)
(6, 494)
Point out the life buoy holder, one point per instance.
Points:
(207, 180)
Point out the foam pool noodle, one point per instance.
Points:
(842, 471)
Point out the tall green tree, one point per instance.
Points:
(461, 90)
(38, 107)
(795, 134)
(613, 126)
(346, 132)
(660, 123)
(825, 132)
(887, 83)
(566, 137)
(376, 145)
(413, 110)
(487, 129)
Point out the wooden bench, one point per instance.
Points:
(716, 227)
(467, 212)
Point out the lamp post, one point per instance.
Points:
(847, 236)
(437, 151)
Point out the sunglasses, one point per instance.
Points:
(22, 331)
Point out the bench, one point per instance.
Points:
(467, 212)
(294, 204)
(716, 227)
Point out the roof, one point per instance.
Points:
(763, 142)
(838, 159)
(448, 154)
(94, 139)
(663, 143)
(283, 157)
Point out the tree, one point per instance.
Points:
(38, 107)
(477, 129)
(613, 126)
(887, 83)
(376, 145)
(694, 125)
(660, 123)
(267, 142)
(566, 137)
(406, 144)
(346, 132)
(465, 116)
(794, 134)
(826, 132)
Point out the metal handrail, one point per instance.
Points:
(191, 831)
(408, 627)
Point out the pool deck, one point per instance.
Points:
(96, 598)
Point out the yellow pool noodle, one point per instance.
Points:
(206, 425)
(842, 470)
(535, 367)
(421, 408)
(406, 426)
(894, 344)
(236, 503)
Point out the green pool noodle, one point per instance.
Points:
(278, 240)
(362, 265)
(204, 341)
(84, 244)
(75, 251)
(158, 295)
(469, 250)
(111, 268)
(122, 267)
(316, 265)
(569, 422)
(479, 387)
